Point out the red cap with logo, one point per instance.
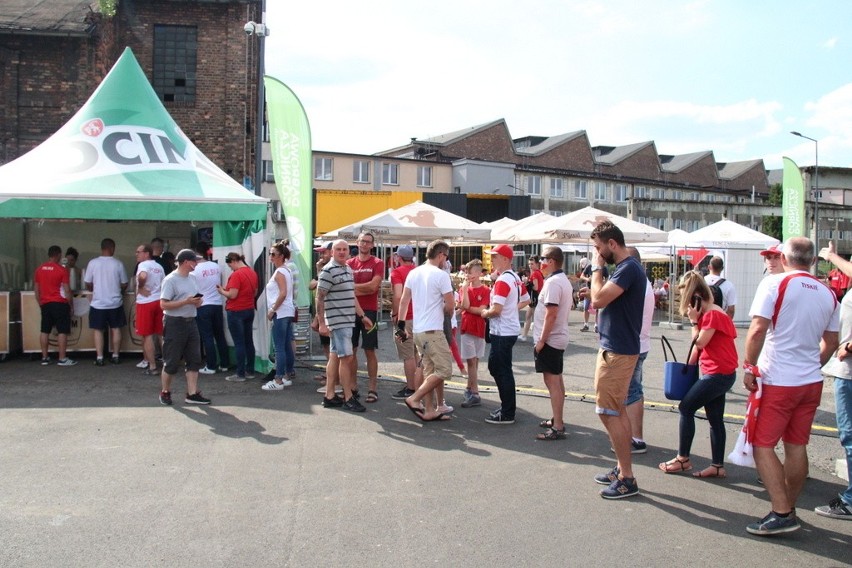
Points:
(771, 251)
(503, 250)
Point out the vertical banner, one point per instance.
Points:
(290, 138)
(793, 201)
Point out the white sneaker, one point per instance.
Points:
(143, 364)
(223, 369)
(235, 379)
(273, 386)
(67, 362)
(522, 338)
(444, 409)
(206, 371)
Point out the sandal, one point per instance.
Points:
(552, 434)
(716, 471)
(546, 423)
(372, 396)
(676, 465)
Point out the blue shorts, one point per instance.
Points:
(109, 318)
(341, 342)
(635, 391)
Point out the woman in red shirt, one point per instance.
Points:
(240, 291)
(716, 352)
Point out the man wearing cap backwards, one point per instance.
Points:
(180, 299)
(507, 297)
(404, 346)
(772, 260)
(368, 272)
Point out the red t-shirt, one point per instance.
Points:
(364, 272)
(398, 276)
(719, 356)
(50, 276)
(245, 280)
(536, 276)
(838, 282)
(473, 324)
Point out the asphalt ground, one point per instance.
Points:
(95, 472)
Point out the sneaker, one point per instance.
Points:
(497, 417)
(635, 447)
(444, 409)
(99, 362)
(334, 402)
(596, 328)
(250, 375)
(235, 379)
(143, 364)
(166, 398)
(196, 399)
(151, 372)
(621, 488)
(523, 338)
(273, 386)
(114, 360)
(45, 361)
(206, 371)
(585, 327)
(608, 477)
(67, 362)
(291, 375)
(836, 509)
(223, 369)
(773, 524)
(353, 405)
(402, 393)
(472, 400)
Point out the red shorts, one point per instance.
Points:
(149, 319)
(786, 413)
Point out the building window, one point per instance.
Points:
(322, 169)
(678, 224)
(600, 191)
(693, 225)
(581, 189)
(535, 211)
(640, 192)
(175, 53)
(268, 174)
(557, 187)
(361, 171)
(620, 192)
(696, 196)
(677, 195)
(710, 197)
(658, 193)
(642, 219)
(390, 174)
(533, 185)
(424, 176)
(556, 213)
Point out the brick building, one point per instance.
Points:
(54, 53)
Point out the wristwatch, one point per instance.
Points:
(596, 268)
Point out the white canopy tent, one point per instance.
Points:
(507, 232)
(577, 226)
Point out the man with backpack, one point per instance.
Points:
(724, 293)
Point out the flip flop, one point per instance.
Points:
(439, 417)
(372, 396)
(417, 411)
(675, 466)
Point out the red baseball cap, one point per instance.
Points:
(503, 250)
(771, 251)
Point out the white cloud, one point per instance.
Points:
(830, 43)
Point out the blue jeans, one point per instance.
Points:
(635, 392)
(211, 326)
(282, 339)
(709, 392)
(843, 408)
(240, 325)
(500, 367)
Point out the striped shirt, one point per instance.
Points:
(339, 283)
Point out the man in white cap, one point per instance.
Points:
(507, 297)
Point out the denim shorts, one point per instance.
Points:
(341, 341)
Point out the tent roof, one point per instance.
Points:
(726, 234)
(577, 226)
(508, 232)
(122, 156)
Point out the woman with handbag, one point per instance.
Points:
(714, 335)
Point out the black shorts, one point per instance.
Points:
(102, 319)
(371, 339)
(56, 314)
(549, 360)
(181, 342)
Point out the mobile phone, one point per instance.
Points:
(696, 301)
(198, 296)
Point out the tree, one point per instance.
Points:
(772, 225)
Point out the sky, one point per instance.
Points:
(733, 77)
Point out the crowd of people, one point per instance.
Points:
(798, 332)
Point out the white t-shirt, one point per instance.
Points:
(287, 309)
(153, 279)
(729, 293)
(647, 320)
(790, 355)
(107, 276)
(508, 290)
(208, 275)
(428, 284)
(557, 291)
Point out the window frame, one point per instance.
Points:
(360, 170)
(390, 173)
(420, 171)
(321, 173)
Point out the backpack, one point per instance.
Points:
(716, 290)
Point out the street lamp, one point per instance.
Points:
(816, 185)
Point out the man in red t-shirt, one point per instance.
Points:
(534, 284)
(368, 272)
(404, 346)
(53, 294)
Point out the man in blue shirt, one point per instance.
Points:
(620, 300)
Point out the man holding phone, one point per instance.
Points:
(180, 300)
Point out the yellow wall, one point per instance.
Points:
(337, 209)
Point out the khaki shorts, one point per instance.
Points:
(613, 372)
(405, 349)
(435, 353)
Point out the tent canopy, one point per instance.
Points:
(507, 232)
(577, 226)
(122, 156)
(414, 222)
(725, 234)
